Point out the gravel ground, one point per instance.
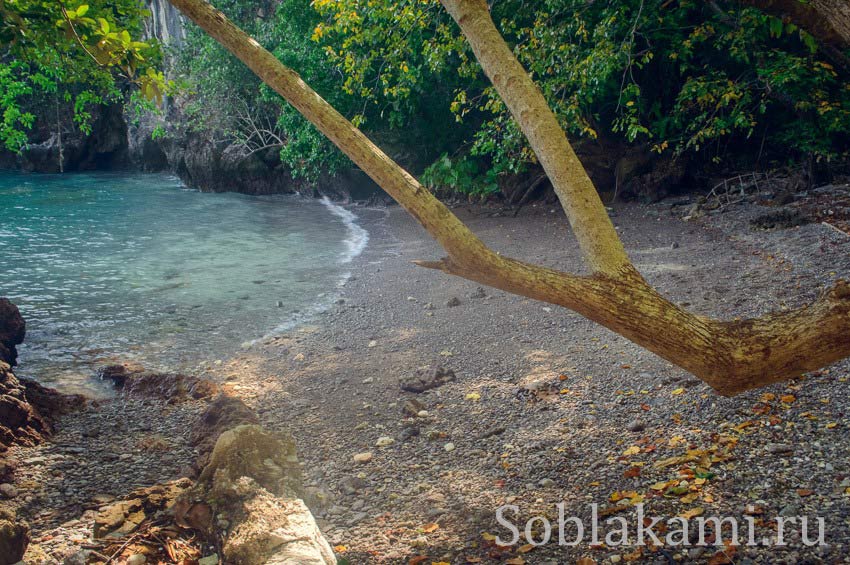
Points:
(549, 408)
(546, 408)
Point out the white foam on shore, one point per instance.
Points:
(357, 238)
(355, 243)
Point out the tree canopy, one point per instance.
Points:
(77, 54)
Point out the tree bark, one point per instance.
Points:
(827, 20)
(729, 356)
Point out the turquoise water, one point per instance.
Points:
(108, 267)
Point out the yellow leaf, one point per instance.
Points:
(488, 537)
(692, 513)
(515, 561)
(768, 397)
(787, 398)
(678, 391)
(525, 548)
(633, 450)
(473, 396)
(831, 425)
(432, 527)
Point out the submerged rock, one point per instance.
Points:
(133, 379)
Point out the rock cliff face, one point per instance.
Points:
(106, 148)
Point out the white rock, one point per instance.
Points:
(137, 559)
(449, 447)
(384, 441)
(373, 343)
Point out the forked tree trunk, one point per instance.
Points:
(729, 356)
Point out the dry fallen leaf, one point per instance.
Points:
(586, 561)
(418, 560)
(768, 396)
(525, 548)
(340, 549)
(431, 527)
(692, 513)
(473, 396)
(787, 398)
(678, 391)
(515, 561)
(804, 492)
(633, 450)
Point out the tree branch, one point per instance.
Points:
(729, 356)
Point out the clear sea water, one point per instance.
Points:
(110, 267)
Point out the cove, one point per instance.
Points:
(112, 267)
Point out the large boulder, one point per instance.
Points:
(252, 483)
(12, 331)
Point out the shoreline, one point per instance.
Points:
(519, 433)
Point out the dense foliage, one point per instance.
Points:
(683, 77)
(79, 55)
(718, 82)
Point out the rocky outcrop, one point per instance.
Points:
(26, 408)
(13, 329)
(171, 387)
(252, 483)
(105, 148)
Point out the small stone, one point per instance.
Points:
(412, 407)
(137, 559)
(209, 560)
(384, 441)
(8, 491)
(429, 306)
(779, 448)
(411, 299)
(368, 380)
(449, 447)
(422, 414)
(452, 302)
(635, 426)
(373, 343)
(363, 457)
(299, 357)
(479, 293)
(546, 483)
(615, 559)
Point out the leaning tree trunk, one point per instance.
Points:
(729, 356)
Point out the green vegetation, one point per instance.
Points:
(717, 83)
(77, 55)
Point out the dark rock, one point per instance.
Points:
(104, 148)
(412, 408)
(452, 302)
(427, 378)
(780, 219)
(635, 426)
(479, 293)
(12, 331)
(133, 379)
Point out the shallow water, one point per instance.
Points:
(108, 267)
